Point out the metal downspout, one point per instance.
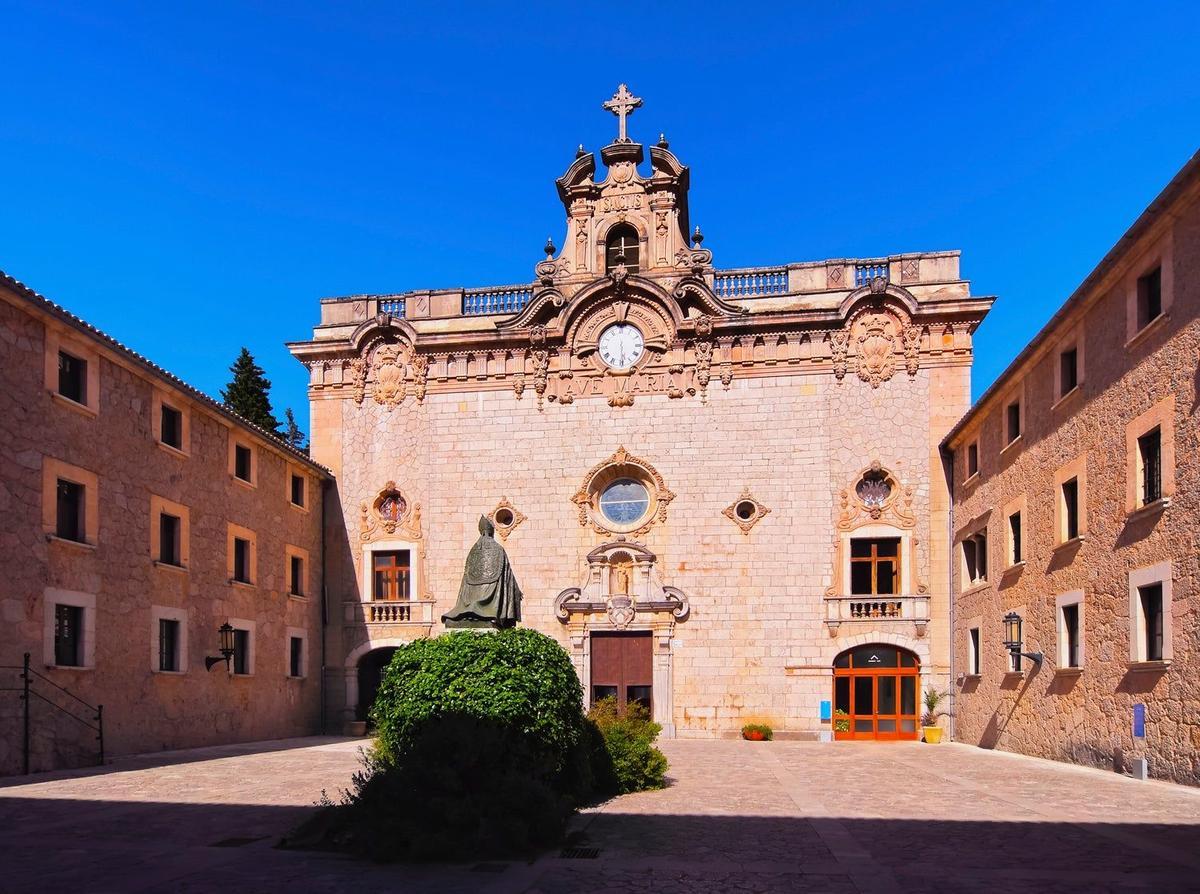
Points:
(324, 602)
(948, 468)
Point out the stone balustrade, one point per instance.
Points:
(392, 611)
(866, 271)
(502, 300)
(751, 282)
(741, 283)
(857, 609)
(392, 306)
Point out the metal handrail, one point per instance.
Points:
(26, 689)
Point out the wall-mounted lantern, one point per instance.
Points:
(1013, 640)
(225, 632)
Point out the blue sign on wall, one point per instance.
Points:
(1139, 721)
(826, 711)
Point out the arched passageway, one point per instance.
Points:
(370, 672)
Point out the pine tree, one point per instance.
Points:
(291, 432)
(249, 393)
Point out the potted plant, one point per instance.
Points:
(757, 732)
(841, 721)
(929, 717)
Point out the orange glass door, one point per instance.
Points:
(875, 694)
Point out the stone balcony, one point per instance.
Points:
(860, 610)
(388, 613)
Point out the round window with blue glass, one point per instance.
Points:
(624, 501)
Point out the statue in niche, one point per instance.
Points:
(488, 595)
(620, 576)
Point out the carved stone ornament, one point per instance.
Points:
(390, 514)
(420, 371)
(541, 361)
(623, 589)
(387, 374)
(506, 517)
(911, 336)
(875, 346)
(745, 511)
(839, 347)
(876, 495)
(910, 270)
(622, 464)
(358, 378)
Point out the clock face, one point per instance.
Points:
(621, 345)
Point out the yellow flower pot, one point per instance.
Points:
(933, 734)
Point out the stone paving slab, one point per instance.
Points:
(738, 816)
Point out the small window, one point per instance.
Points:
(1015, 551)
(171, 427)
(1070, 507)
(296, 576)
(241, 652)
(1071, 634)
(1068, 370)
(875, 566)
(973, 658)
(243, 467)
(1149, 297)
(297, 490)
(972, 459)
(622, 247)
(69, 523)
(296, 657)
(241, 560)
(68, 636)
(168, 644)
(72, 377)
(391, 575)
(1150, 465)
(169, 528)
(1014, 421)
(1150, 598)
(975, 557)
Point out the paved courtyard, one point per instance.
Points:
(777, 816)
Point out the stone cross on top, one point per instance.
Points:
(622, 105)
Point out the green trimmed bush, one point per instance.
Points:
(628, 735)
(482, 752)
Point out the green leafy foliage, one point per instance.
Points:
(292, 435)
(482, 752)
(757, 732)
(518, 679)
(628, 734)
(249, 393)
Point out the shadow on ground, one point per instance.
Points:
(55, 845)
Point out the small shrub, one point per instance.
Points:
(841, 721)
(757, 732)
(482, 752)
(628, 735)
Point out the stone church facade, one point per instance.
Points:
(721, 489)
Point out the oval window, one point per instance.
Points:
(624, 501)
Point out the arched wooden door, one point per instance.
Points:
(875, 693)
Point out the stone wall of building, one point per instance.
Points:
(115, 440)
(1129, 383)
(755, 645)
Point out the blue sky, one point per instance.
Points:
(191, 178)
